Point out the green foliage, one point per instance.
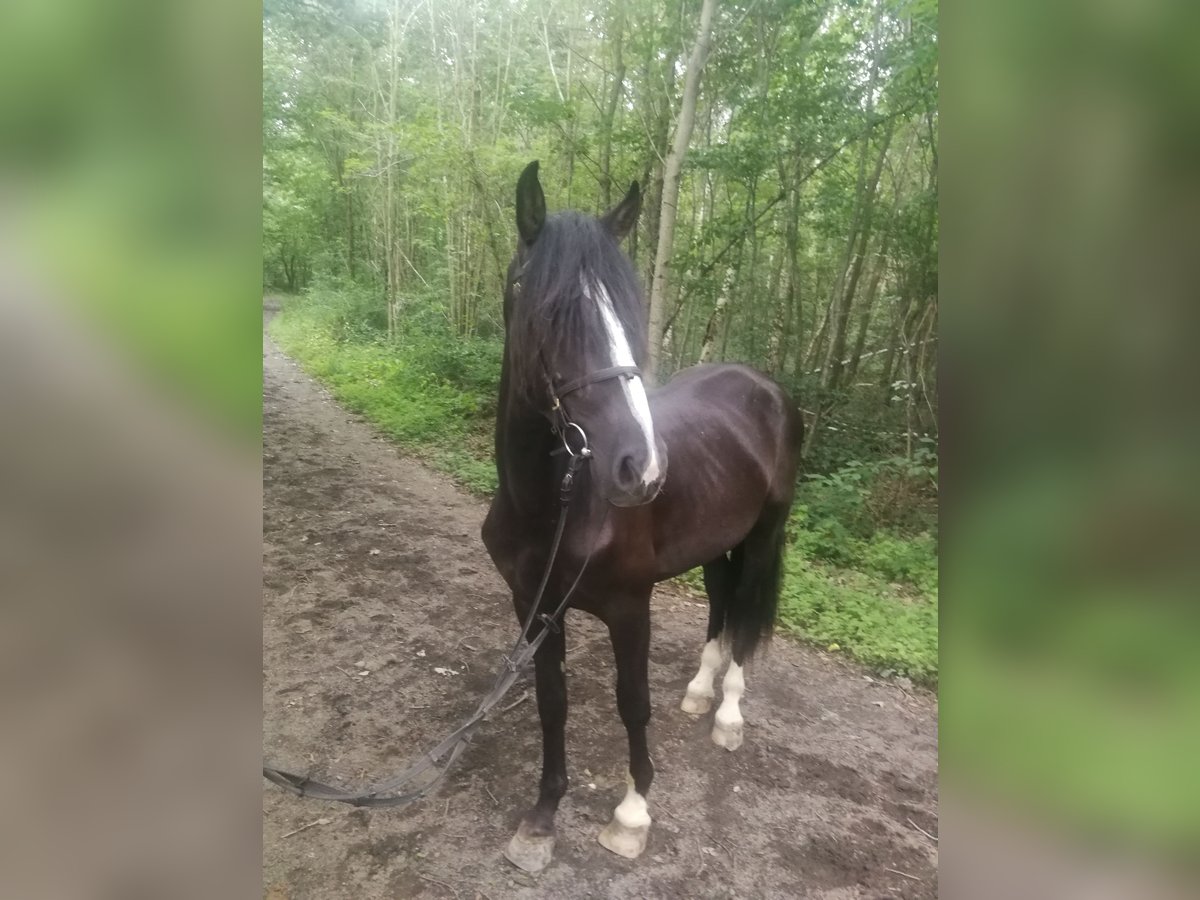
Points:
(878, 517)
(434, 399)
(880, 602)
(887, 629)
(475, 474)
(881, 605)
(907, 560)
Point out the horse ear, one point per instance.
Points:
(531, 204)
(621, 218)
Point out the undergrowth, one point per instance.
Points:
(860, 573)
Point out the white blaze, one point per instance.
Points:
(634, 390)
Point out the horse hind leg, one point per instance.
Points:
(699, 697)
(750, 617)
(719, 580)
(728, 722)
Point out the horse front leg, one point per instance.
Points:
(626, 834)
(533, 845)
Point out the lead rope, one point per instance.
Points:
(383, 794)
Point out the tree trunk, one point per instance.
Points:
(868, 306)
(654, 167)
(614, 97)
(832, 371)
(714, 321)
(390, 238)
(778, 300)
(900, 317)
(672, 173)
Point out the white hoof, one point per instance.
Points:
(624, 840)
(697, 704)
(528, 852)
(727, 734)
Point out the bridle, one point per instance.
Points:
(561, 422)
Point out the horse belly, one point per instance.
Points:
(728, 439)
(702, 518)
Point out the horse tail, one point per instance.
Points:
(750, 617)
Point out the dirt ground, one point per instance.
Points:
(375, 579)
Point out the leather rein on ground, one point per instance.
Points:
(436, 763)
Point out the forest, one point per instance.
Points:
(787, 152)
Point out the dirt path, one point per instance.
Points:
(373, 563)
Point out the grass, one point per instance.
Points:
(399, 390)
(873, 597)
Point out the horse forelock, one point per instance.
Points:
(552, 315)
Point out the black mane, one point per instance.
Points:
(551, 318)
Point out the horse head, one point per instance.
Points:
(576, 338)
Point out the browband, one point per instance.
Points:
(602, 375)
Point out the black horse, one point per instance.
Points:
(575, 335)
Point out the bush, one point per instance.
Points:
(911, 561)
(879, 517)
(851, 611)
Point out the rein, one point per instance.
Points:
(436, 763)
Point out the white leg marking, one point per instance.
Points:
(699, 694)
(626, 834)
(727, 726)
(634, 390)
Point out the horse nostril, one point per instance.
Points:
(628, 475)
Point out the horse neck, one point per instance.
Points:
(524, 441)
